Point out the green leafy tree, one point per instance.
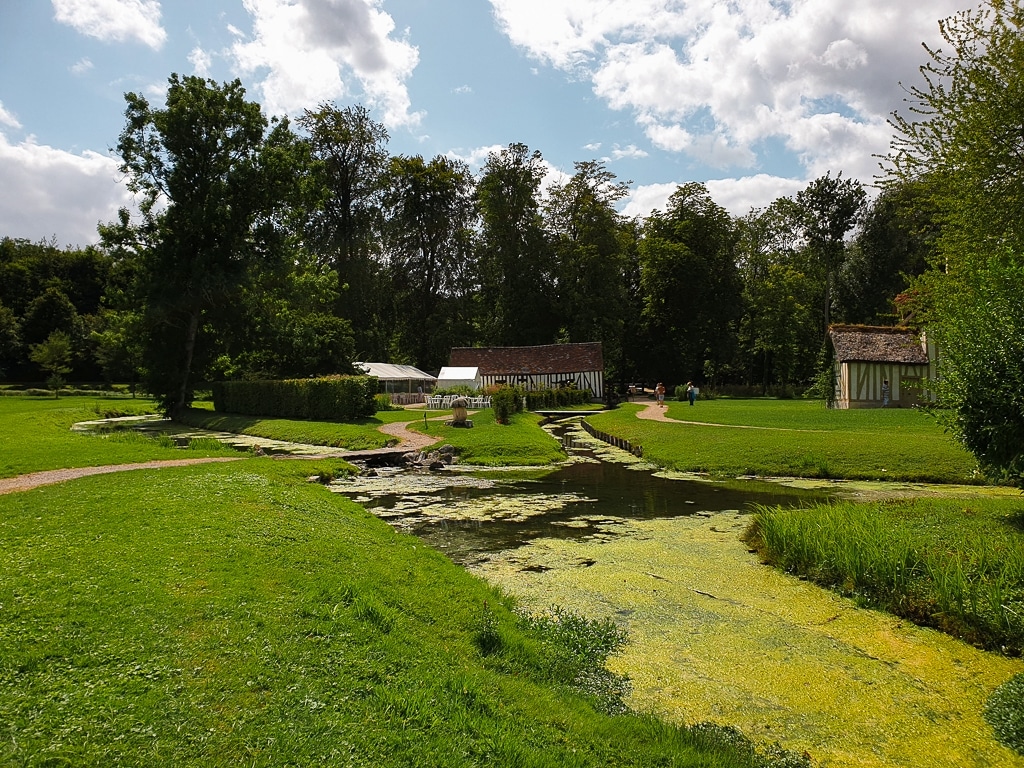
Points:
(290, 330)
(893, 246)
(691, 285)
(430, 216)
(961, 135)
(214, 179)
(54, 357)
(829, 209)
(981, 331)
(779, 333)
(515, 301)
(10, 338)
(962, 141)
(588, 243)
(119, 346)
(342, 217)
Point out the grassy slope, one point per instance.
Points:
(235, 614)
(803, 440)
(34, 435)
(520, 443)
(352, 436)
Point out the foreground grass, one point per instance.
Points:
(35, 435)
(520, 443)
(234, 614)
(796, 439)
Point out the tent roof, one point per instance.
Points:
(875, 344)
(457, 372)
(392, 372)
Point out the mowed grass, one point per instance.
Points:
(352, 436)
(519, 443)
(35, 435)
(234, 614)
(795, 438)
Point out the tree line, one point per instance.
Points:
(263, 249)
(267, 249)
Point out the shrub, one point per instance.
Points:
(556, 398)
(334, 398)
(506, 401)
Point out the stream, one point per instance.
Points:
(714, 635)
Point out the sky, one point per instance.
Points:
(755, 98)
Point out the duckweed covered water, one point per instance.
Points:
(714, 634)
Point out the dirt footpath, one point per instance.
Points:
(51, 476)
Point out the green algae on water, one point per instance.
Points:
(716, 636)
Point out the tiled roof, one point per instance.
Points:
(876, 344)
(545, 359)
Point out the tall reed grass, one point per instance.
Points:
(959, 580)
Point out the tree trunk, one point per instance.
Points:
(190, 346)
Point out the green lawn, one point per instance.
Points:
(794, 438)
(352, 436)
(234, 614)
(520, 443)
(35, 435)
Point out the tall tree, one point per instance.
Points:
(343, 210)
(430, 216)
(829, 209)
(893, 246)
(962, 134)
(590, 259)
(516, 277)
(963, 141)
(691, 285)
(213, 177)
(779, 334)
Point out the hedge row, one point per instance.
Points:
(335, 398)
(556, 398)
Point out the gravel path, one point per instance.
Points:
(51, 476)
(407, 439)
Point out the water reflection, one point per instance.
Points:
(471, 515)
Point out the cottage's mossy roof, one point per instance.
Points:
(877, 344)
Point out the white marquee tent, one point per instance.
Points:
(452, 376)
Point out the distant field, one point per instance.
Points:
(795, 438)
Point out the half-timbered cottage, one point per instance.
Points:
(879, 366)
(540, 367)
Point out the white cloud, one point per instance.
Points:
(309, 51)
(201, 61)
(81, 66)
(49, 192)
(114, 20)
(737, 196)
(647, 198)
(6, 118)
(631, 152)
(715, 80)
